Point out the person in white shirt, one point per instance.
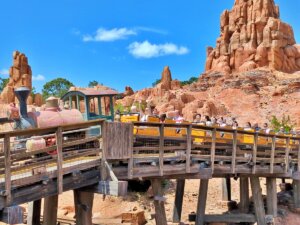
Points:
(178, 118)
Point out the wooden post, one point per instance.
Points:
(189, 149)
(34, 213)
(255, 152)
(287, 154)
(50, 210)
(271, 197)
(272, 154)
(7, 163)
(83, 207)
(244, 194)
(159, 202)
(178, 201)
(59, 143)
(296, 188)
(226, 189)
(202, 202)
(213, 149)
(258, 201)
(234, 149)
(161, 149)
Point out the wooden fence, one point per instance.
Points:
(73, 148)
(221, 150)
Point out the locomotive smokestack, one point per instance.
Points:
(22, 94)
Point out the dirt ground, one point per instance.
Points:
(113, 207)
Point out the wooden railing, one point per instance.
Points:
(74, 148)
(223, 150)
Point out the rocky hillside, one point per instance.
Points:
(252, 74)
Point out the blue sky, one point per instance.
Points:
(116, 42)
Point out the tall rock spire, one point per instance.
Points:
(252, 36)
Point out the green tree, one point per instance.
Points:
(93, 83)
(57, 87)
(190, 81)
(285, 122)
(3, 83)
(156, 82)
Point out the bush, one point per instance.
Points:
(285, 122)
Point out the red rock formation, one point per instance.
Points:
(248, 74)
(19, 75)
(166, 79)
(128, 91)
(252, 36)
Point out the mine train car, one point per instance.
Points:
(200, 136)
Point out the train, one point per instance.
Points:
(88, 104)
(51, 116)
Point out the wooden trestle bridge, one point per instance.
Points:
(100, 157)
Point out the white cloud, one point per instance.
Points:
(152, 30)
(147, 50)
(38, 77)
(114, 34)
(4, 72)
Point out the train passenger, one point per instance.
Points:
(222, 122)
(266, 128)
(162, 117)
(281, 131)
(147, 113)
(207, 121)
(248, 126)
(256, 127)
(197, 119)
(235, 125)
(294, 132)
(178, 117)
(155, 112)
(133, 110)
(213, 121)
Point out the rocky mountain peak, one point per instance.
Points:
(253, 36)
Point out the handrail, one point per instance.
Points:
(68, 127)
(221, 129)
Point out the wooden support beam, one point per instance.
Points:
(50, 210)
(83, 207)
(254, 155)
(296, 188)
(189, 149)
(244, 194)
(234, 149)
(160, 212)
(271, 196)
(258, 201)
(226, 189)
(178, 200)
(12, 215)
(200, 220)
(298, 156)
(287, 154)
(114, 188)
(59, 143)
(161, 149)
(227, 218)
(272, 154)
(7, 164)
(34, 213)
(213, 149)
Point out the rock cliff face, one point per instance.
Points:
(252, 74)
(252, 36)
(19, 75)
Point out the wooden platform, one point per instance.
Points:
(139, 151)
